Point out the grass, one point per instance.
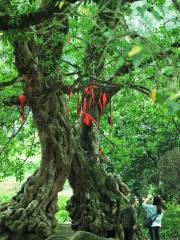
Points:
(62, 215)
(6, 197)
(171, 221)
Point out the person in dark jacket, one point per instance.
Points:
(128, 219)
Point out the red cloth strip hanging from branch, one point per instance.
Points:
(88, 118)
(103, 101)
(89, 98)
(70, 93)
(84, 105)
(91, 101)
(22, 104)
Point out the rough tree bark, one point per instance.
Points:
(98, 196)
(31, 213)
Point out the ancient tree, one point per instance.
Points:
(33, 208)
(68, 152)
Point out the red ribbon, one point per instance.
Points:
(87, 116)
(70, 93)
(88, 90)
(103, 101)
(85, 104)
(22, 104)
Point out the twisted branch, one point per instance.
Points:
(11, 82)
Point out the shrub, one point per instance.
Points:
(62, 215)
(171, 221)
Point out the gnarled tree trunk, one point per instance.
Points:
(31, 213)
(98, 196)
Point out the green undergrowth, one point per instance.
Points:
(171, 222)
(6, 197)
(62, 215)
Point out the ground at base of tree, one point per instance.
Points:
(80, 235)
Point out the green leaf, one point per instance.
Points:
(128, 11)
(161, 2)
(141, 10)
(137, 59)
(156, 14)
(168, 70)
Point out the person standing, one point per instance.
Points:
(155, 212)
(128, 219)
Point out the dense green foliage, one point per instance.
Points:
(144, 127)
(62, 215)
(171, 221)
(142, 131)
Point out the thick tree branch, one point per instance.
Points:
(11, 82)
(14, 100)
(78, 72)
(26, 20)
(111, 88)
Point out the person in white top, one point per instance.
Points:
(155, 212)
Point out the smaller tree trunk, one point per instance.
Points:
(98, 196)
